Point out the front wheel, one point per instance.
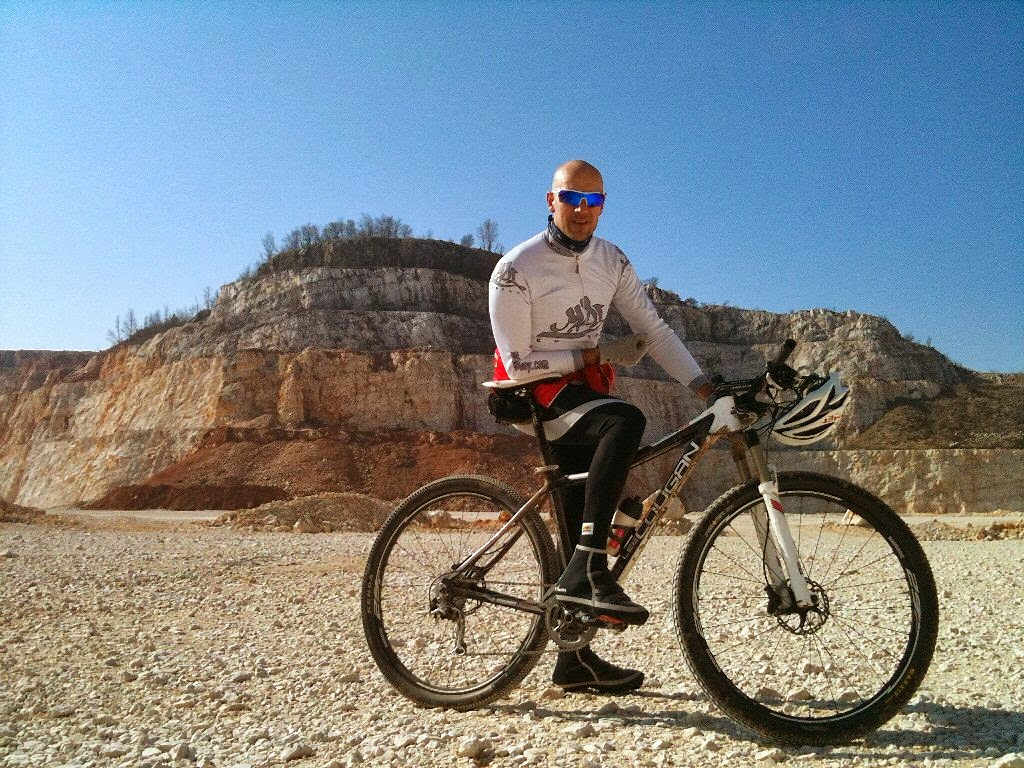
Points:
(822, 676)
(431, 639)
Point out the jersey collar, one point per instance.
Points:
(561, 242)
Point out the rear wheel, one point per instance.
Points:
(433, 643)
(825, 675)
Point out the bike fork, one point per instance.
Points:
(773, 534)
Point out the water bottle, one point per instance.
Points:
(625, 521)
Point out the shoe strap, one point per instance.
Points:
(595, 550)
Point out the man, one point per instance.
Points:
(549, 299)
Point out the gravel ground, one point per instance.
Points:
(123, 644)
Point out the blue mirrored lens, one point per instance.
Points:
(573, 198)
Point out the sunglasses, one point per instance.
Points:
(574, 198)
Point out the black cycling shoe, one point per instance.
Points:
(584, 670)
(587, 584)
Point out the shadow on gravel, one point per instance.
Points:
(645, 708)
(938, 731)
(952, 732)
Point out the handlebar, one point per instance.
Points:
(746, 391)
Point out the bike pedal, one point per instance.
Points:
(612, 623)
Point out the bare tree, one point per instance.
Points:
(488, 234)
(292, 241)
(467, 240)
(309, 234)
(209, 297)
(302, 237)
(392, 227)
(115, 335)
(269, 246)
(383, 226)
(340, 229)
(123, 330)
(367, 226)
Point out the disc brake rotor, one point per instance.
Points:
(807, 621)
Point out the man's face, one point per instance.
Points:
(578, 222)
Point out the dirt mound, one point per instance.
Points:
(187, 496)
(15, 513)
(936, 530)
(320, 513)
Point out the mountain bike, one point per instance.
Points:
(804, 605)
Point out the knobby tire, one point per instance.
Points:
(433, 529)
(828, 681)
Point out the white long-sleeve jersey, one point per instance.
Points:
(547, 304)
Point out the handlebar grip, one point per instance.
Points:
(787, 349)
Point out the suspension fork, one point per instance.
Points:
(780, 554)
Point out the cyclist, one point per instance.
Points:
(549, 299)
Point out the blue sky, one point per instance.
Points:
(784, 156)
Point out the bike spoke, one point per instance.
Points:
(417, 578)
(823, 661)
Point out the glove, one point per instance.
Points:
(707, 389)
(625, 351)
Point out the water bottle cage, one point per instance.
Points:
(627, 517)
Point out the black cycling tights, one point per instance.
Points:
(603, 441)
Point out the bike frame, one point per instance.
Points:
(720, 420)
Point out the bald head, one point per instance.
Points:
(578, 174)
(576, 221)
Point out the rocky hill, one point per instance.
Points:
(357, 367)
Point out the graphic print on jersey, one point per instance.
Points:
(583, 319)
(507, 278)
(519, 366)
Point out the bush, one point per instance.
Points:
(385, 252)
(312, 246)
(129, 331)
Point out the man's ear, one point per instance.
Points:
(551, 201)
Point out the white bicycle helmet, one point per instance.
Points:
(815, 415)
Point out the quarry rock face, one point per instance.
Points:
(404, 348)
(929, 482)
(341, 308)
(68, 440)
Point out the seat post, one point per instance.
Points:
(538, 430)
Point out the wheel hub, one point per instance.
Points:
(442, 604)
(796, 619)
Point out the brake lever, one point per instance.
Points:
(808, 381)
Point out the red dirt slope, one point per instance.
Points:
(243, 468)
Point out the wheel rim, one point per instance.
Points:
(849, 652)
(416, 614)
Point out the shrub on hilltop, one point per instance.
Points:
(384, 253)
(382, 241)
